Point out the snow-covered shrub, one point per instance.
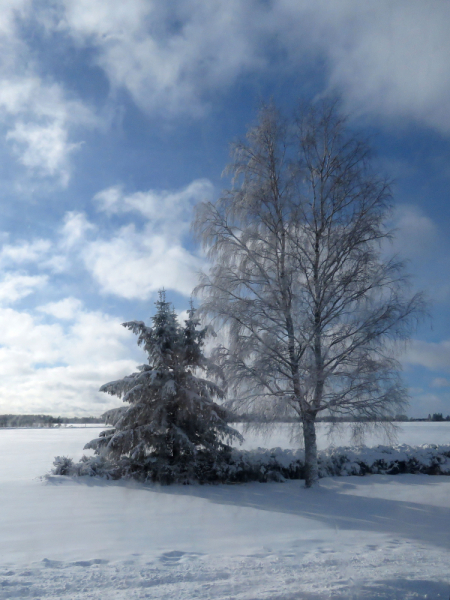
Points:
(276, 464)
(63, 465)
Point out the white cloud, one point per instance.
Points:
(14, 286)
(69, 308)
(100, 19)
(135, 265)
(75, 228)
(432, 355)
(416, 234)
(30, 93)
(37, 115)
(131, 262)
(39, 118)
(9, 11)
(440, 382)
(43, 148)
(166, 56)
(388, 59)
(110, 200)
(161, 207)
(58, 370)
(44, 254)
(391, 59)
(24, 337)
(24, 251)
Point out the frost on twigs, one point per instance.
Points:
(171, 429)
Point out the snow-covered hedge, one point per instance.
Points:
(264, 465)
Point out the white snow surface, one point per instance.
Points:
(374, 537)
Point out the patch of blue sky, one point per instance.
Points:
(116, 118)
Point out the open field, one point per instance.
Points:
(380, 537)
(413, 434)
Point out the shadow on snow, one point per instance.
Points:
(420, 522)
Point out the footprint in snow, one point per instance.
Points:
(171, 557)
(59, 564)
(89, 563)
(174, 556)
(52, 564)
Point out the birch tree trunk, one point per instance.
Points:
(311, 462)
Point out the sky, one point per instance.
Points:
(116, 118)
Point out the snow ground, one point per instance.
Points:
(376, 537)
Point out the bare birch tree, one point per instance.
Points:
(299, 279)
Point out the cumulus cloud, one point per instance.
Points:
(14, 286)
(10, 10)
(440, 382)
(38, 119)
(386, 58)
(74, 229)
(42, 253)
(69, 308)
(24, 251)
(416, 234)
(136, 263)
(166, 56)
(432, 355)
(132, 262)
(43, 148)
(58, 369)
(162, 207)
(390, 58)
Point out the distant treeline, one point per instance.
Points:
(251, 418)
(44, 420)
(49, 421)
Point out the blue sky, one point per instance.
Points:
(116, 118)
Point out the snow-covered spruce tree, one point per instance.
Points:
(310, 304)
(173, 430)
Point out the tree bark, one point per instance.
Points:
(311, 463)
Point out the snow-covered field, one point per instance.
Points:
(413, 434)
(380, 537)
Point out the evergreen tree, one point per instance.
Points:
(173, 427)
